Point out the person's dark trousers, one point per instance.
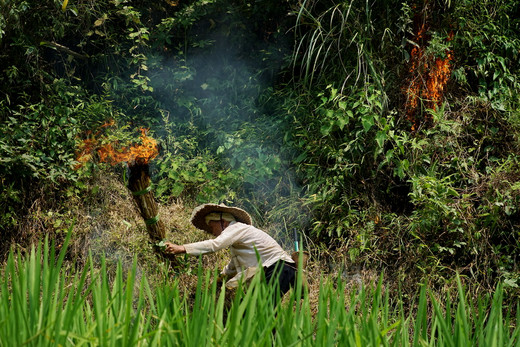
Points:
(284, 273)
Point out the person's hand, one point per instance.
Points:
(172, 248)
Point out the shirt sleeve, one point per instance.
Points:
(229, 236)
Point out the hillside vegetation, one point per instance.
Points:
(385, 132)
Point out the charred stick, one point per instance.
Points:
(139, 184)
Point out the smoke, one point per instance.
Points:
(224, 83)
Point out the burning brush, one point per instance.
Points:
(137, 158)
(429, 74)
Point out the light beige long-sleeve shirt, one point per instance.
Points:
(244, 241)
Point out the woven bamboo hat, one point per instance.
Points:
(199, 212)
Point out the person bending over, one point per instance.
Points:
(232, 229)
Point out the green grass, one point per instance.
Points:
(45, 303)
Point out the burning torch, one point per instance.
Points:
(137, 158)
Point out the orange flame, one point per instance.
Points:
(429, 76)
(109, 153)
(109, 123)
(438, 78)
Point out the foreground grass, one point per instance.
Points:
(43, 304)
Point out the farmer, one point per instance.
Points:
(232, 228)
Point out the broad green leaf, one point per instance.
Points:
(341, 122)
(326, 128)
(381, 138)
(368, 122)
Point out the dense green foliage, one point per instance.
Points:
(296, 111)
(443, 196)
(43, 304)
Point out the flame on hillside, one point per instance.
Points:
(112, 153)
(428, 78)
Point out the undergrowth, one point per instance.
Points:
(46, 302)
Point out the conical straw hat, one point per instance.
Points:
(199, 212)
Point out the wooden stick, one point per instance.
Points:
(139, 184)
(64, 49)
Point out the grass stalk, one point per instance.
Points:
(44, 303)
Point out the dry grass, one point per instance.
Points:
(108, 222)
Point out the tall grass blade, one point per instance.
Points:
(100, 306)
